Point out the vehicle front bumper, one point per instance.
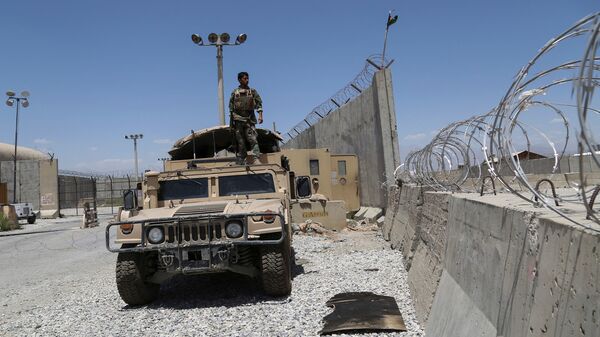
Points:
(188, 253)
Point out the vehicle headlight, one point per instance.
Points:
(234, 229)
(156, 235)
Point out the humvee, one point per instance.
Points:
(212, 216)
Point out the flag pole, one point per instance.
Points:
(389, 22)
(387, 27)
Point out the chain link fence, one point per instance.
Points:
(105, 191)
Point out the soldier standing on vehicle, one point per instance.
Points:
(244, 100)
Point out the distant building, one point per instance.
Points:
(37, 178)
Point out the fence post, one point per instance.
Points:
(111, 194)
(59, 194)
(94, 196)
(76, 197)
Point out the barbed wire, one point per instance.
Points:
(462, 156)
(113, 174)
(361, 82)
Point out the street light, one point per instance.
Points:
(135, 138)
(219, 41)
(24, 101)
(163, 162)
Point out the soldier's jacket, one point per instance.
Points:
(242, 104)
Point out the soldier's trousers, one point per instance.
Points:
(245, 135)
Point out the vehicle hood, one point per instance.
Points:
(212, 207)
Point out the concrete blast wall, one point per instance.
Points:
(494, 265)
(365, 126)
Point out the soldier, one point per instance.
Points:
(244, 100)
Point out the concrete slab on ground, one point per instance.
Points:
(361, 212)
(372, 214)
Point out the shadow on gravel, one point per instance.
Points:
(297, 269)
(215, 290)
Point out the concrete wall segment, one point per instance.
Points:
(509, 269)
(454, 313)
(392, 206)
(365, 126)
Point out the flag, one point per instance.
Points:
(391, 20)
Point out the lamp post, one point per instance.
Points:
(24, 101)
(163, 162)
(219, 41)
(135, 138)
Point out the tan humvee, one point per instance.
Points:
(213, 216)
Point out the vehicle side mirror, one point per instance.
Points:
(130, 200)
(303, 187)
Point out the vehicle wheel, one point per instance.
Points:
(276, 269)
(132, 273)
(31, 219)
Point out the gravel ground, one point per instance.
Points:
(53, 289)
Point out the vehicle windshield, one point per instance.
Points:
(246, 184)
(183, 189)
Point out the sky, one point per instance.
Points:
(100, 70)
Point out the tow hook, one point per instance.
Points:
(167, 259)
(225, 252)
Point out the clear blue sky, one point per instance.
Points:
(98, 70)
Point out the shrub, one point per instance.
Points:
(6, 225)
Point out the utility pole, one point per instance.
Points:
(135, 155)
(163, 162)
(24, 101)
(219, 41)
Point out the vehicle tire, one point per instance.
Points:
(276, 270)
(31, 219)
(132, 273)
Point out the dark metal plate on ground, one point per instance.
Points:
(362, 312)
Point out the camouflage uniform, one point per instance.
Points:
(242, 104)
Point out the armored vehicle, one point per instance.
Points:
(202, 216)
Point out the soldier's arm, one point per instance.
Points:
(258, 105)
(231, 107)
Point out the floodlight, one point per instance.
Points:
(25, 103)
(10, 93)
(25, 93)
(241, 38)
(225, 37)
(213, 37)
(9, 102)
(197, 39)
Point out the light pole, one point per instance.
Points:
(163, 162)
(135, 138)
(24, 101)
(219, 41)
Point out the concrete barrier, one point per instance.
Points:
(365, 126)
(495, 265)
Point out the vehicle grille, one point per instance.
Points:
(200, 209)
(194, 231)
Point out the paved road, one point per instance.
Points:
(60, 282)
